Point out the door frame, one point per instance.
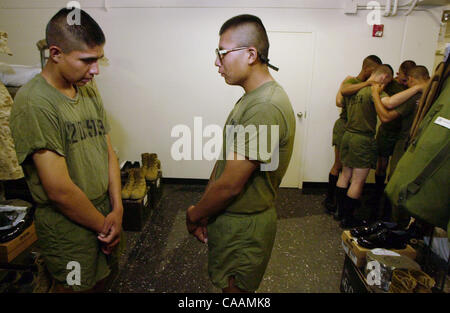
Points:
(305, 119)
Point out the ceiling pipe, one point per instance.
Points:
(395, 7)
(387, 10)
(411, 8)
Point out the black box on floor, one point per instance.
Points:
(155, 190)
(352, 280)
(135, 212)
(17, 189)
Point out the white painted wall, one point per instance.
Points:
(162, 70)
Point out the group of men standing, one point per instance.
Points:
(62, 141)
(374, 94)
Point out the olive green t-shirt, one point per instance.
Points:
(44, 118)
(362, 116)
(260, 127)
(352, 81)
(407, 111)
(391, 89)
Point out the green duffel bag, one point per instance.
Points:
(420, 183)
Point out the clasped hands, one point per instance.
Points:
(110, 234)
(376, 87)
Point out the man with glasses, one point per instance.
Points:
(236, 215)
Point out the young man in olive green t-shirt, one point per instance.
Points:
(404, 112)
(61, 134)
(358, 148)
(348, 87)
(236, 215)
(389, 132)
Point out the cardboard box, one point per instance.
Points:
(352, 280)
(380, 265)
(358, 254)
(136, 212)
(11, 249)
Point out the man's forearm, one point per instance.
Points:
(114, 183)
(74, 204)
(63, 192)
(214, 200)
(351, 89)
(382, 112)
(399, 98)
(339, 99)
(114, 186)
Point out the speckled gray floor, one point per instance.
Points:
(163, 257)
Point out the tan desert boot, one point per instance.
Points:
(140, 186)
(128, 187)
(158, 162)
(145, 163)
(152, 173)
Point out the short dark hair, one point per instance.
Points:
(406, 66)
(383, 69)
(419, 72)
(374, 59)
(390, 67)
(256, 38)
(73, 37)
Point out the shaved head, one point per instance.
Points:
(406, 66)
(383, 69)
(73, 37)
(249, 31)
(382, 74)
(419, 72)
(390, 67)
(371, 61)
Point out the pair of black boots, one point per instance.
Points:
(345, 210)
(340, 205)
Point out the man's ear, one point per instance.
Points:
(55, 53)
(253, 55)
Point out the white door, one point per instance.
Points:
(292, 52)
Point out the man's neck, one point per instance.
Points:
(361, 76)
(256, 79)
(56, 80)
(420, 82)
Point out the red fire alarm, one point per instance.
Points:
(377, 30)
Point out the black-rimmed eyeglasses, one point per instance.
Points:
(221, 52)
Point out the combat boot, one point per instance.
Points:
(340, 196)
(330, 200)
(128, 187)
(145, 163)
(140, 186)
(158, 162)
(348, 218)
(152, 172)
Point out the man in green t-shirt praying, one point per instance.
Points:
(61, 137)
(236, 215)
